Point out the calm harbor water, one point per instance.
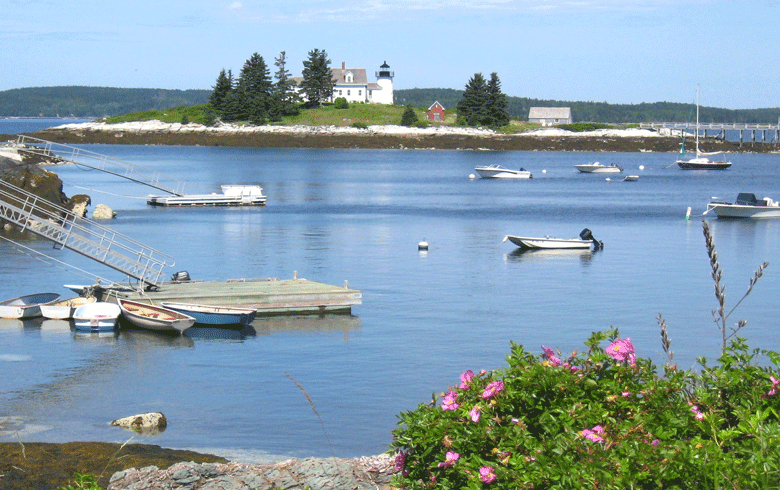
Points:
(358, 215)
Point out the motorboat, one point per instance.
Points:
(64, 309)
(26, 306)
(700, 161)
(597, 168)
(745, 206)
(152, 317)
(585, 241)
(98, 316)
(214, 315)
(232, 195)
(498, 172)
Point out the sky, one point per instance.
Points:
(614, 51)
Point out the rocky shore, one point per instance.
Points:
(379, 137)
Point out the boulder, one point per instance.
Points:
(103, 212)
(146, 424)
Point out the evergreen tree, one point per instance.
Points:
(497, 113)
(222, 87)
(254, 90)
(317, 81)
(472, 108)
(284, 98)
(409, 117)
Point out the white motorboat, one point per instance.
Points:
(232, 195)
(98, 316)
(26, 306)
(700, 161)
(153, 317)
(585, 241)
(597, 168)
(745, 206)
(499, 172)
(64, 309)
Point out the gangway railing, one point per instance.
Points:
(97, 161)
(82, 235)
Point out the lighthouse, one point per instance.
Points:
(383, 94)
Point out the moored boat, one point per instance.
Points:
(598, 168)
(214, 315)
(64, 309)
(97, 316)
(745, 206)
(152, 317)
(700, 161)
(28, 306)
(585, 241)
(232, 195)
(498, 172)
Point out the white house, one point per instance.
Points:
(547, 116)
(353, 84)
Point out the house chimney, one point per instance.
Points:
(343, 65)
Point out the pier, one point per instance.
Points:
(720, 129)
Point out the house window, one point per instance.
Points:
(360, 92)
(348, 93)
(349, 77)
(339, 92)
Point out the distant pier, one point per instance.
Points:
(720, 129)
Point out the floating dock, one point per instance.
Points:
(232, 195)
(268, 296)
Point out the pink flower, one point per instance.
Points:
(465, 379)
(450, 401)
(655, 442)
(621, 350)
(493, 388)
(450, 459)
(695, 409)
(486, 474)
(773, 390)
(550, 356)
(626, 394)
(475, 413)
(594, 434)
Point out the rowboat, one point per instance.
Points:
(26, 306)
(597, 168)
(64, 309)
(745, 206)
(498, 172)
(152, 317)
(98, 316)
(214, 315)
(585, 241)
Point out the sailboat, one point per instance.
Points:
(700, 162)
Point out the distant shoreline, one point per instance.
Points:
(380, 137)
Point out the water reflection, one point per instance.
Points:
(310, 324)
(519, 255)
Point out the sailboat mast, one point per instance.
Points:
(698, 89)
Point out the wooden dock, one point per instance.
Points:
(268, 296)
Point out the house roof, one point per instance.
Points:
(549, 113)
(437, 102)
(358, 76)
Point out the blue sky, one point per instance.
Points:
(616, 51)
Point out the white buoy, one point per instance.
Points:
(688, 214)
(472, 176)
(641, 167)
(608, 179)
(423, 245)
(544, 171)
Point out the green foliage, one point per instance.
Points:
(409, 117)
(317, 81)
(341, 103)
(359, 125)
(483, 103)
(83, 482)
(581, 127)
(194, 114)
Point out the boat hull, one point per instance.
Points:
(598, 169)
(64, 310)
(496, 172)
(739, 211)
(151, 317)
(702, 164)
(547, 243)
(214, 315)
(96, 317)
(26, 306)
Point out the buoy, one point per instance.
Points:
(688, 214)
(608, 179)
(544, 171)
(472, 176)
(423, 245)
(641, 167)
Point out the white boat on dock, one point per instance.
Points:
(585, 241)
(151, 317)
(64, 309)
(498, 172)
(28, 306)
(232, 195)
(96, 317)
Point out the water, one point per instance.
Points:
(358, 215)
(27, 125)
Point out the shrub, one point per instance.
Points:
(340, 103)
(603, 418)
(409, 117)
(359, 125)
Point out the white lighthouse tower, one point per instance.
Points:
(384, 79)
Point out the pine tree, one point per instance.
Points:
(254, 90)
(497, 105)
(472, 108)
(317, 81)
(409, 117)
(222, 87)
(284, 98)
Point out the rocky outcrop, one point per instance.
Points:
(103, 212)
(147, 424)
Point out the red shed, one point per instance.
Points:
(436, 112)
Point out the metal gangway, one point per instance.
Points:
(79, 156)
(82, 235)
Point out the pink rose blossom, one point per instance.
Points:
(550, 356)
(451, 457)
(486, 474)
(493, 388)
(594, 434)
(772, 391)
(475, 413)
(621, 350)
(450, 401)
(465, 379)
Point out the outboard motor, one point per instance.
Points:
(181, 276)
(587, 235)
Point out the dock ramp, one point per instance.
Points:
(79, 156)
(82, 235)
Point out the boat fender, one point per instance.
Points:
(181, 276)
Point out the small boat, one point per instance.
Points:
(700, 161)
(232, 195)
(499, 172)
(98, 316)
(214, 315)
(64, 309)
(585, 241)
(745, 206)
(597, 168)
(26, 306)
(151, 317)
